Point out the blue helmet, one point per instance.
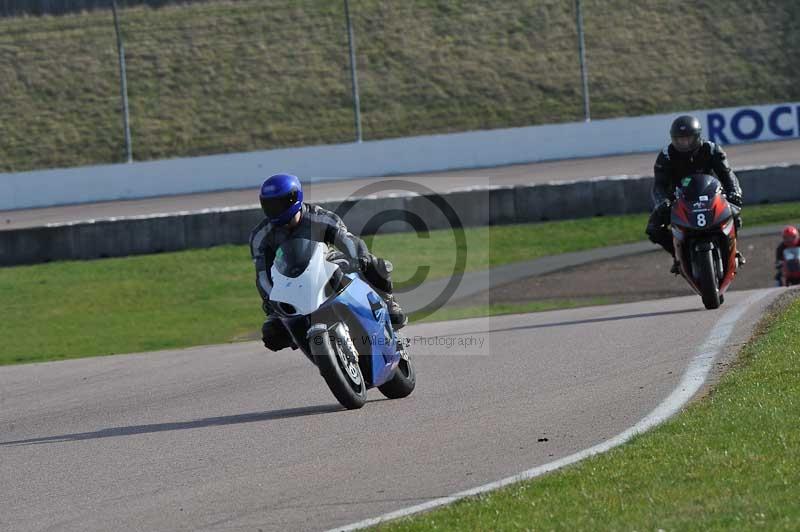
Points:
(281, 198)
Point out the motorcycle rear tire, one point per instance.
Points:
(402, 383)
(707, 279)
(350, 394)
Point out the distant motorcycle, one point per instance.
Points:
(704, 234)
(340, 324)
(790, 266)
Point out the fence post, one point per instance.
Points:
(582, 52)
(123, 84)
(351, 43)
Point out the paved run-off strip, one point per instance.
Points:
(477, 282)
(691, 382)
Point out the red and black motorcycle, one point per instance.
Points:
(790, 266)
(705, 237)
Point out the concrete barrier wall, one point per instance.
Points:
(474, 149)
(490, 206)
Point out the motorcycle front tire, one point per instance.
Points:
(351, 392)
(707, 279)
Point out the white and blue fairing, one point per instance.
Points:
(301, 278)
(300, 274)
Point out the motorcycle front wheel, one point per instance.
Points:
(337, 361)
(707, 279)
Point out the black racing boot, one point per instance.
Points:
(396, 314)
(378, 273)
(740, 258)
(676, 267)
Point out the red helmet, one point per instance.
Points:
(790, 235)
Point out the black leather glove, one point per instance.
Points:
(664, 207)
(359, 264)
(734, 198)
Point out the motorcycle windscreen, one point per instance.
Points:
(699, 187)
(293, 256)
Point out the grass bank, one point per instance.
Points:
(228, 76)
(729, 462)
(75, 309)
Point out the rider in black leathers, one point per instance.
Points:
(687, 154)
(288, 216)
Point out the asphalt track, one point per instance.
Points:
(232, 438)
(741, 156)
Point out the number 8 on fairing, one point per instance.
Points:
(701, 220)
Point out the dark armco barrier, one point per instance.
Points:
(479, 207)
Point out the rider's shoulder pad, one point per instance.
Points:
(323, 215)
(259, 237)
(713, 147)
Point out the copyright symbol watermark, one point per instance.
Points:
(396, 206)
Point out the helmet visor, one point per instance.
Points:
(274, 207)
(685, 144)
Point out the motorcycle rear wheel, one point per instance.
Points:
(707, 279)
(402, 383)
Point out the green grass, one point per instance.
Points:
(76, 309)
(767, 214)
(226, 76)
(730, 462)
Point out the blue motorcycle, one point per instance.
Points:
(340, 323)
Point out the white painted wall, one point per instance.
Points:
(381, 157)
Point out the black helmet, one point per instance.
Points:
(685, 133)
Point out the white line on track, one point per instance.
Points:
(692, 381)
